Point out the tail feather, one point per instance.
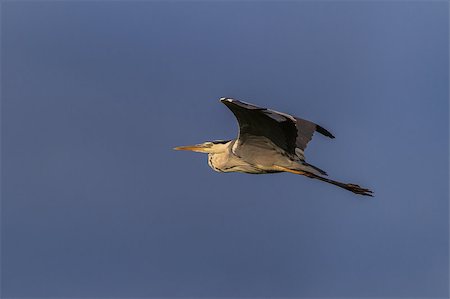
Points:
(317, 171)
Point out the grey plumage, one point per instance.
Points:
(269, 141)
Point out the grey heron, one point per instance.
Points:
(268, 142)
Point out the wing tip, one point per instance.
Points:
(226, 100)
(324, 132)
(241, 104)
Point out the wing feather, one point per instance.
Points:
(286, 131)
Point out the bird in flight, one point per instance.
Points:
(269, 142)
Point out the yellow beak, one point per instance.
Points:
(195, 148)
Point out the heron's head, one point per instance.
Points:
(210, 147)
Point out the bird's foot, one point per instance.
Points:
(359, 190)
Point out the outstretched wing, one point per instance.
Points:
(286, 131)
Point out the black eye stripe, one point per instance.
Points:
(221, 141)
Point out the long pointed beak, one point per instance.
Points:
(194, 148)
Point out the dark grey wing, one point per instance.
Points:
(286, 131)
(305, 131)
(257, 121)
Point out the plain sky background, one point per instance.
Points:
(95, 203)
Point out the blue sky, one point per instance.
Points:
(95, 203)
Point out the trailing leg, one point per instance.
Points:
(350, 187)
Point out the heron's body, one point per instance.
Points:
(249, 158)
(268, 142)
